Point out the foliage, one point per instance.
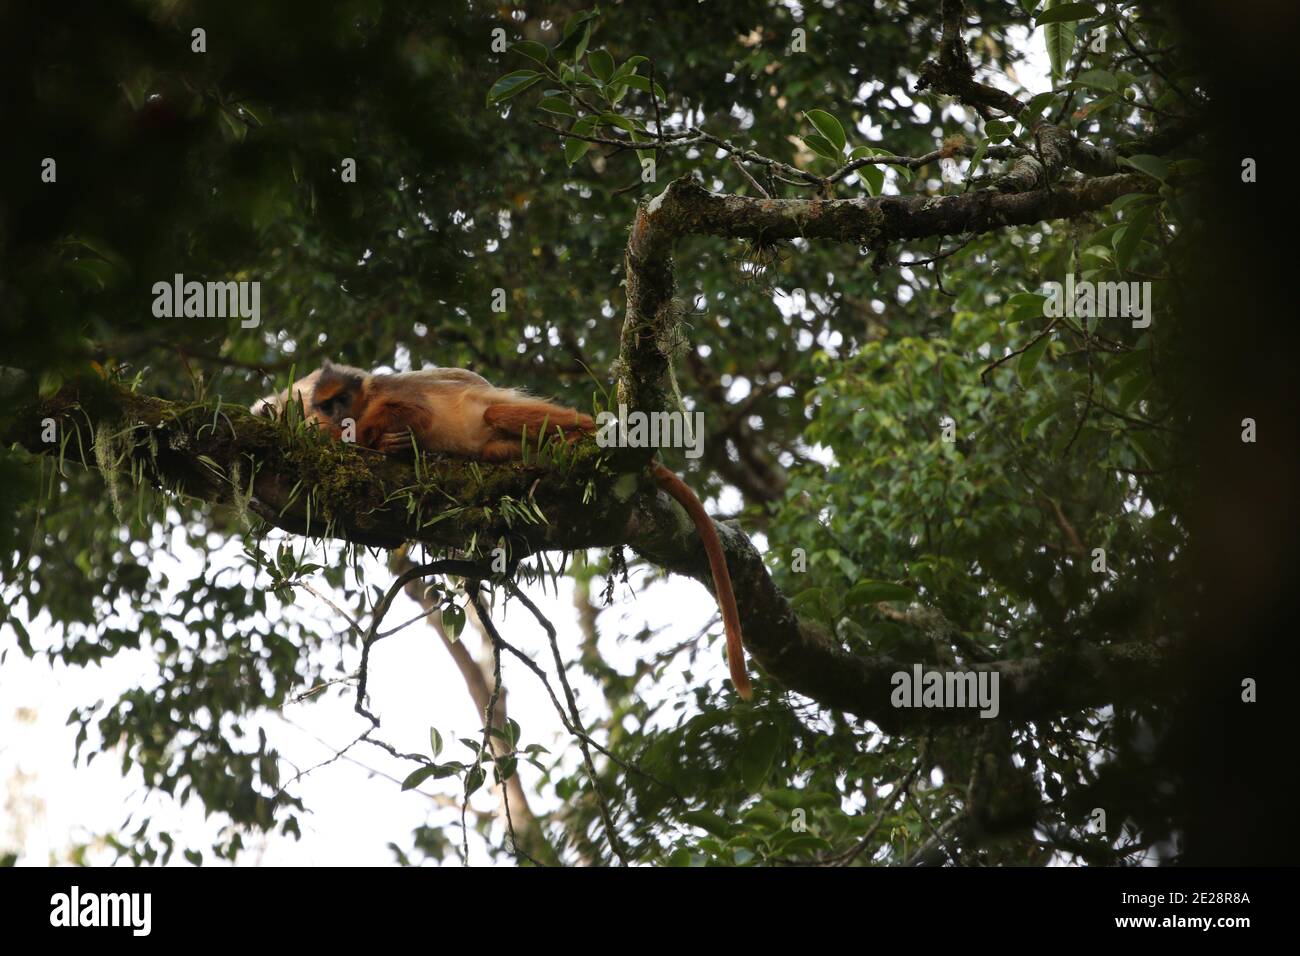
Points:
(843, 362)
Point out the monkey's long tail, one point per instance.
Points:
(684, 496)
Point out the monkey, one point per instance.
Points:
(441, 409)
(458, 411)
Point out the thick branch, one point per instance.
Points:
(794, 652)
(685, 207)
(343, 493)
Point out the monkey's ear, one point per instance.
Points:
(326, 365)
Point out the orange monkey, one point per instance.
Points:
(455, 410)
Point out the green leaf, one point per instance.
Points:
(628, 67)
(801, 844)
(869, 592)
(1025, 305)
(643, 84)
(435, 741)
(583, 40)
(1042, 414)
(904, 173)
(997, 129)
(757, 755)
(1061, 12)
(50, 382)
(821, 146)
(1126, 365)
(1153, 166)
(764, 818)
(873, 177)
(622, 122)
(863, 152)
(1030, 358)
(234, 126)
(642, 154)
(1059, 36)
(809, 601)
(977, 157)
(417, 777)
(1133, 387)
(1102, 254)
(829, 127)
(577, 34)
(512, 84)
(453, 621)
(554, 104)
(708, 821)
(1187, 167)
(786, 799)
(575, 149)
(475, 780)
(1147, 446)
(25, 643)
(1126, 240)
(1099, 80)
(532, 50)
(1129, 199)
(1038, 104)
(578, 19)
(1099, 106)
(602, 64)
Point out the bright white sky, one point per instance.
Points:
(49, 805)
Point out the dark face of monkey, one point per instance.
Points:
(337, 391)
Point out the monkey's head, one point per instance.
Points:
(338, 393)
(274, 406)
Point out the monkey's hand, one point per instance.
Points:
(395, 443)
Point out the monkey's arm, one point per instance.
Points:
(387, 425)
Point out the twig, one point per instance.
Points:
(748, 178)
(1024, 348)
(605, 814)
(462, 568)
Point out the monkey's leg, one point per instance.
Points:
(501, 449)
(514, 418)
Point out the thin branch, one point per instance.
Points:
(575, 718)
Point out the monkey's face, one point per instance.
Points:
(336, 407)
(337, 395)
